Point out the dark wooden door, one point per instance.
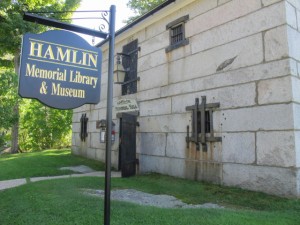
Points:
(127, 154)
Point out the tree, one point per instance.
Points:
(140, 7)
(12, 28)
(8, 100)
(8, 97)
(43, 127)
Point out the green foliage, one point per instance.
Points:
(140, 7)
(2, 140)
(143, 6)
(5, 138)
(43, 127)
(8, 98)
(12, 28)
(12, 25)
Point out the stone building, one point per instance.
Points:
(243, 57)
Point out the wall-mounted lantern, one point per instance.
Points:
(101, 124)
(120, 71)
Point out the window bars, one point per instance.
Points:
(202, 124)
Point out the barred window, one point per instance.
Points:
(131, 63)
(177, 33)
(208, 114)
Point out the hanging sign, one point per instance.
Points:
(60, 69)
(126, 105)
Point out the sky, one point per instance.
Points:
(122, 13)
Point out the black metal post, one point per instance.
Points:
(111, 37)
(203, 124)
(109, 114)
(196, 137)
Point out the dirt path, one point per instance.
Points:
(142, 198)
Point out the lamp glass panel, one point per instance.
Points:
(119, 73)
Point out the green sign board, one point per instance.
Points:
(60, 69)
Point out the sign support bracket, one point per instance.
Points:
(66, 26)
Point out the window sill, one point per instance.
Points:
(177, 45)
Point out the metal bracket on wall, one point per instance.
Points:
(202, 124)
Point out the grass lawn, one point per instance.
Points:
(62, 202)
(43, 163)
